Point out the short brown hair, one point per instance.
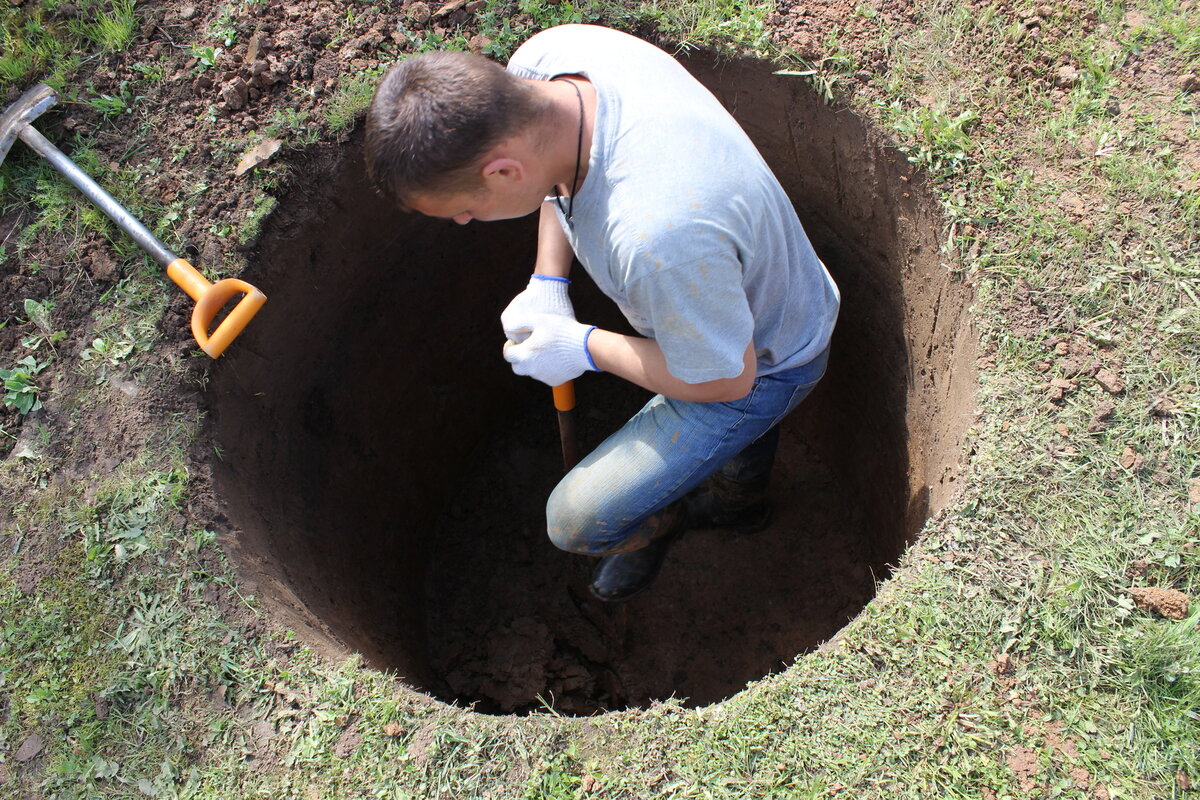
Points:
(435, 115)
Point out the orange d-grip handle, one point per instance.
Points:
(564, 396)
(210, 299)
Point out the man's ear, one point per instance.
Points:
(503, 169)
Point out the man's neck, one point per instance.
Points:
(566, 152)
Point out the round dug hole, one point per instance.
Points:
(385, 473)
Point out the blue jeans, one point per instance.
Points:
(610, 501)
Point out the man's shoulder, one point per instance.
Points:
(573, 42)
(576, 33)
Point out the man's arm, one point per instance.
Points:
(641, 361)
(554, 252)
(547, 290)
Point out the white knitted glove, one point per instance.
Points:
(543, 295)
(552, 349)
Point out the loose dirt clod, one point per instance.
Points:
(1109, 381)
(1170, 603)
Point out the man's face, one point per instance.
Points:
(484, 204)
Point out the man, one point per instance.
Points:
(640, 173)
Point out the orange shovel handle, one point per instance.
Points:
(564, 396)
(210, 299)
(564, 402)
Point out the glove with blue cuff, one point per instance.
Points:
(549, 347)
(544, 295)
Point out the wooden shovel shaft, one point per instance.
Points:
(564, 402)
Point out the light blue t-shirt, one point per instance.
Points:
(679, 220)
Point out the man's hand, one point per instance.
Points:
(551, 347)
(543, 295)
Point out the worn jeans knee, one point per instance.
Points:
(615, 499)
(577, 523)
(571, 520)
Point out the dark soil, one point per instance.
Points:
(726, 609)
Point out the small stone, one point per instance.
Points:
(478, 43)
(29, 748)
(1189, 82)
(187, 12)
(393, 730)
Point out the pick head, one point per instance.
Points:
(24, 111)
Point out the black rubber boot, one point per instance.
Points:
(722, 502)
(622, 575)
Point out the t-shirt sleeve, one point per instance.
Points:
(700, 316)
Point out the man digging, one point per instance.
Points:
(641, 174)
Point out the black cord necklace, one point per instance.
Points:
(569, 211)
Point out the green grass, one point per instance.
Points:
(350, 100)
(125, 661)
(37, 42)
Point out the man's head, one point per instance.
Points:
(435, 120)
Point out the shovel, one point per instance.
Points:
(564, 404)
(17, 121)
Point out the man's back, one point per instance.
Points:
(680, 221)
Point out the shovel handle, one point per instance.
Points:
(564, 396)
(210, 299)
(564, 402)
